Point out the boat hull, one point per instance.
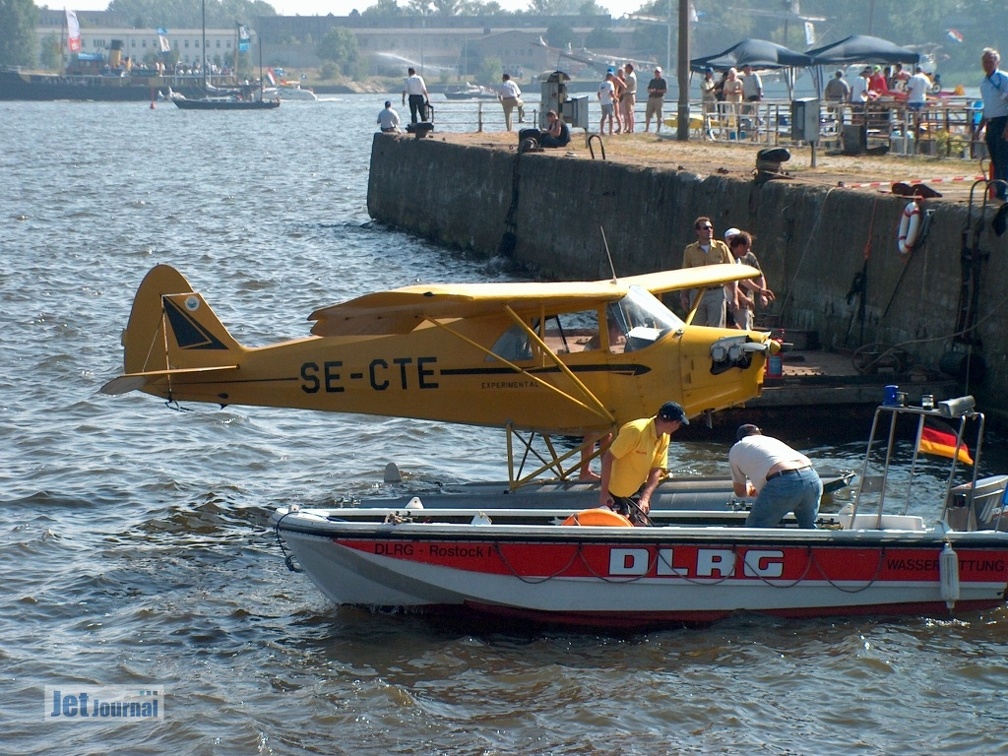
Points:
(49, 87)
(220, 104)
(629, 577)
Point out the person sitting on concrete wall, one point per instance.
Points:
(556, 133)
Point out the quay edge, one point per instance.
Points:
(545, 210)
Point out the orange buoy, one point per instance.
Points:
(599, 517)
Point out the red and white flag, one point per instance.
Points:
(73, 32)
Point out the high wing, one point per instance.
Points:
(401, 310)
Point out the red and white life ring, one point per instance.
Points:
(909, 228)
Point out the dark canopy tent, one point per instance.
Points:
(758, 53)
(858, 48)
(761, 54)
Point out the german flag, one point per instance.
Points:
(940, 440)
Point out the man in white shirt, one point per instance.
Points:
(752, 85)
(752, 92)
(859, 94)
(388, 119)
(917, 88)
(781, 479)
(415, 88)
(606, 92)
(510, 96)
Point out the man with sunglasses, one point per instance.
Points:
(707, 250)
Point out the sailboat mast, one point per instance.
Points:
(262, 91)
(205, 90)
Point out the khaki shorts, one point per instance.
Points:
(654, 106)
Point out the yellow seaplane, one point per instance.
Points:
(546, 359)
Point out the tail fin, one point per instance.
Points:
(171, 331)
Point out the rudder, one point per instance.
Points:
(171, 327)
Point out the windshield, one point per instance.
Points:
(643, 317)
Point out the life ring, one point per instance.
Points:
(909, 228)
(598, 517)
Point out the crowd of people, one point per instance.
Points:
(733, 305)
(873, 82)
(617, 97)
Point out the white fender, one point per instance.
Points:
(909, 228)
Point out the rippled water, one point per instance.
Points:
(136, 549)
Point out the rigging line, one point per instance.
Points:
(695, 581)
(618, 580)
(534, 581)
(874, 578)
(288, 556)
(776, 583)
(808, 243)
(962, 332)
(608, 254)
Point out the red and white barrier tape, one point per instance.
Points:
(911, 182)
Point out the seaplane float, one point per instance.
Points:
(591, 568)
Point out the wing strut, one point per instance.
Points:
(594, 406)
(550, 462)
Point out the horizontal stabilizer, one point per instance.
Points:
(136, 381)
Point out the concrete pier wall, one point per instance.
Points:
(545, 211)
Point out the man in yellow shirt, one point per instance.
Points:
(707, 250)
(636, 461)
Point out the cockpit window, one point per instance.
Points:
(634, 322)
(513, 345)
(569, 332)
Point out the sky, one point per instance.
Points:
(616, 8)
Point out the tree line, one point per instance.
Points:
(933, 28)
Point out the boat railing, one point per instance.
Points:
(969, 506)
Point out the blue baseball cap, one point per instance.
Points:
(673, 411)
(611, 71)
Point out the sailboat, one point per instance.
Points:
(242, 98)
